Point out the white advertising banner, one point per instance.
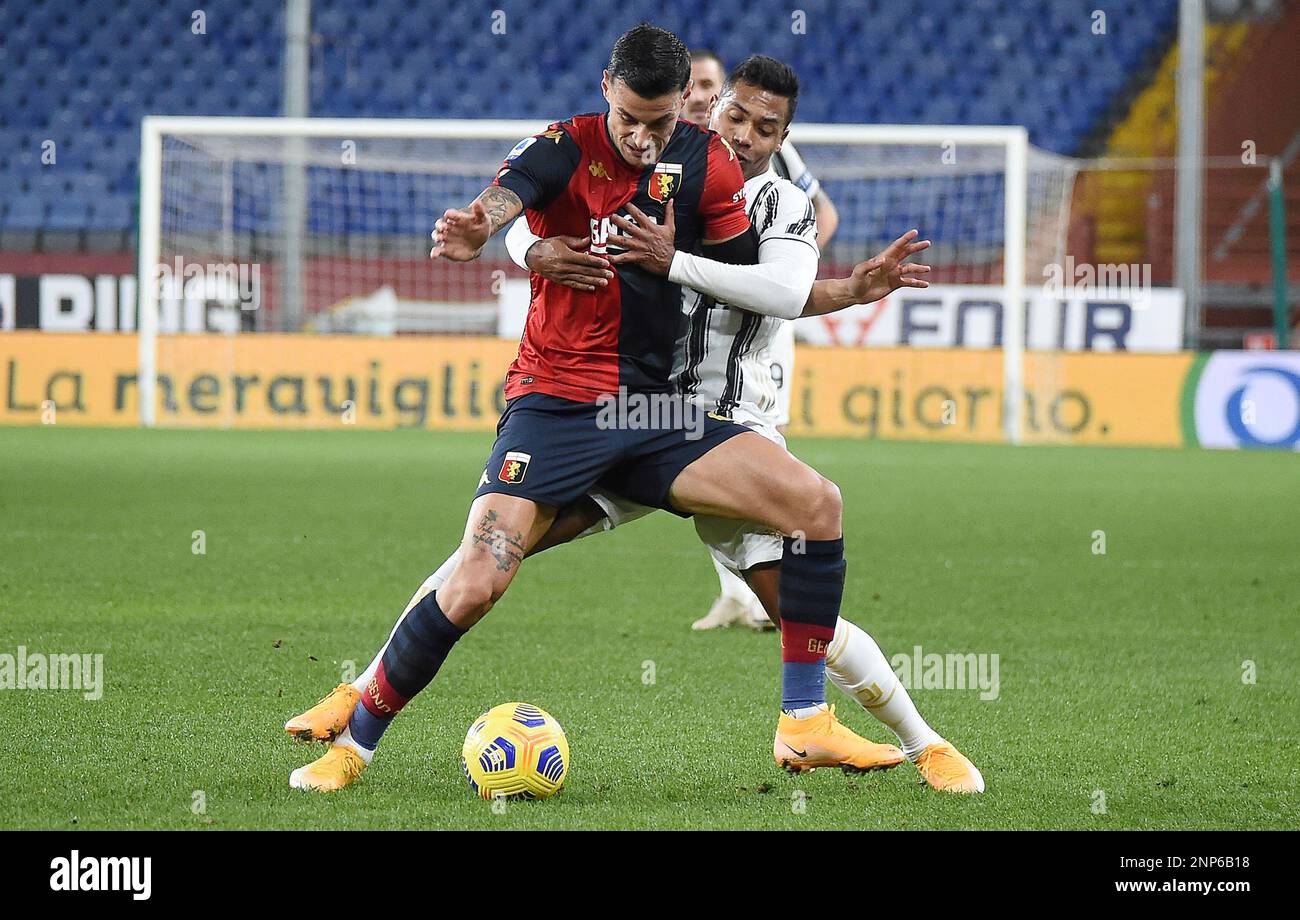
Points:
(970, 316)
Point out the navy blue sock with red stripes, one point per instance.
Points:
(812, 588)
(415, 653)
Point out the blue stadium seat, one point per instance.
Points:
(25, 212)
(82, 72)
(116, 212)
(68, 214)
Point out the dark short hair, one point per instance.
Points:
(704, 54)
(767, 73)
(650, 60)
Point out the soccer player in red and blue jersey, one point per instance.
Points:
(583, 351)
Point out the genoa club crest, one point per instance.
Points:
(514, 466)
(665, 181)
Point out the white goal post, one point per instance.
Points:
(212, 187)
(1014, 139)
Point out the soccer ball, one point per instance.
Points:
(515, 750)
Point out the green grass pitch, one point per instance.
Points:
(1121, 675)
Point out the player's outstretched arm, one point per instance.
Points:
(873, 279)
(777, 285)
(459, 235)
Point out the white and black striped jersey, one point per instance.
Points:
(723, 360)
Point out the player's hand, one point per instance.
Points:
(648, 244)
(561, 259)
(459, 234)
(889, 270)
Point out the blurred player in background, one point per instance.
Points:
(737, 604)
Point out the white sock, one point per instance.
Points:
(347, 741)
(430, 584)
(857, 666)
(732, 585)
(805, 712)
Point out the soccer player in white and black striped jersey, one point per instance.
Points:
(736, 603)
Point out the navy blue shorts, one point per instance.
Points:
(553, 451)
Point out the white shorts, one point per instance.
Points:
(739, 545)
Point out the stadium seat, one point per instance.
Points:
(24, 212)
(84, 76)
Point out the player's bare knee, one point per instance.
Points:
(477, 584)
(824, 511)
(810, 505)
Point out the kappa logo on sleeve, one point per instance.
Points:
(514, 467)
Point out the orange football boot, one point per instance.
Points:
(336, 768)
(822, 741)
(945, 768)
(326, 720)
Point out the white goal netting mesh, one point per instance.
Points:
(953, 194)
(338, 227)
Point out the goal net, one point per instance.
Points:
(270, 225)
(997, 212)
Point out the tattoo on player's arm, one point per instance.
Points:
(501, 204)
(507, 550)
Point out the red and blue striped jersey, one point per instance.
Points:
(571, 180)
